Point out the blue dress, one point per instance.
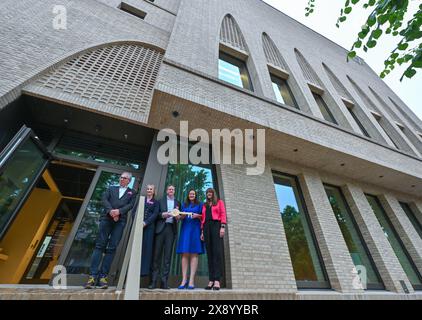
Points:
(190, 232)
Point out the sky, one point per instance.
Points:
(323, 21)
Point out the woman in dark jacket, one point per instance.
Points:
(150, 216)
(213, 225)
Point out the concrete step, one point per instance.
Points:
(21, 292)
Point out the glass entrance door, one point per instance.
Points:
(21, 164)
(77, 253)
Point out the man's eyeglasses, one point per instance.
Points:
(124, 178)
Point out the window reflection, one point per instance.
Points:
(412, 217)
(306, 262)
(352, 237)
(186, 177)
(396, 243)
(282, 91)
(233, 71)
(79, 258)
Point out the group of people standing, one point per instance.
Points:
(202, 230)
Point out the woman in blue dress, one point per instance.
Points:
(150, 216)
(190, 244)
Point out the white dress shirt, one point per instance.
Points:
(170, 207)
(122, 192)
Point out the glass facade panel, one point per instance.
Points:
(326, 113)
(282, 92)
(353, 238)
(96, 157)
(185, 177)
(233, 71)
(17, 177)
(307, 266)
(396, 243)
(412, 217)
(78, 260)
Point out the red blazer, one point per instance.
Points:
(218, 213)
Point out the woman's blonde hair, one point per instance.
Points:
(153, 187)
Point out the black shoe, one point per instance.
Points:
(209, 287)
(216, 288)
(164, 285)
(153, 285)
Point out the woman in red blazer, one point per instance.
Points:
(213, 226)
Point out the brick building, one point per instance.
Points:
(80, 103)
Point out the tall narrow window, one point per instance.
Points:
(326, 113)
(132, 10)
(282, 91)
(412, 217)
(353, 238)
(234, 71)
(396, 243)
(350, 107)
(307, 265)
(378, 118)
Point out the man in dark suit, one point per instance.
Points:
(117, 202)
(165, 234)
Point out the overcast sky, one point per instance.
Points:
(323, 20)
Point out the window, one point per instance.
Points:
(353, 238)
(185, 177)
(307, 266)
(326, 113)
(234, 71)
(132, 10)
(396, 243)
(350, 108)
(378, 118)
(282, 91)
(412, 217)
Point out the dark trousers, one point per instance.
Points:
(214, 246)
(109, 235)
(163, 244)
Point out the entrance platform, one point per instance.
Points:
(25, 292)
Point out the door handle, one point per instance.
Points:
(35, 244)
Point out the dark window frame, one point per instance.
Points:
(280, 81)
(317, 97)
(355, 117)
(371, 286)
(399, 240)
(242, 65)
(307, 284)
(410, 212)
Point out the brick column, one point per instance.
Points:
(404, 228)
(380, 249)
(337, 260)
(258, 253)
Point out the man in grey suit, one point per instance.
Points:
(117, 202)
(165, 234)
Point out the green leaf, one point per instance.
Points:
(376, 33)
(348, 10)
(403, 46)
(409, 73)
(351, 54)
(371, 43)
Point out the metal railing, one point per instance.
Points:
(130, 274)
